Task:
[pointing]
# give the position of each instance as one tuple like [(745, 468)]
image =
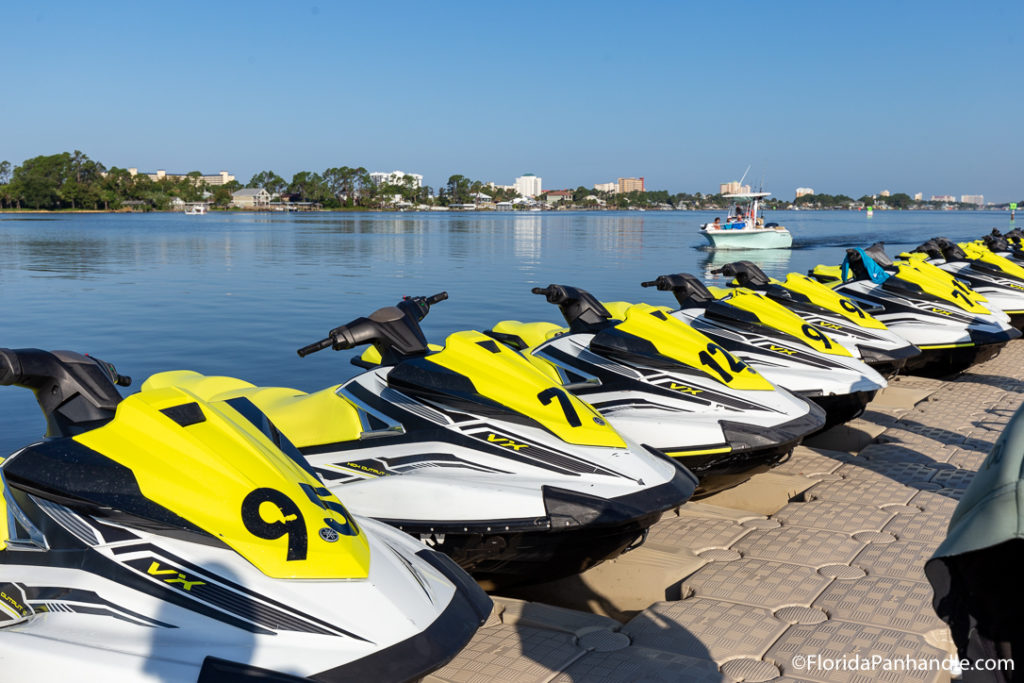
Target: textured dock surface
[(821, 556)]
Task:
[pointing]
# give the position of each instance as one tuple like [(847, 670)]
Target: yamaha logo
[(328, 534), (599, 421)]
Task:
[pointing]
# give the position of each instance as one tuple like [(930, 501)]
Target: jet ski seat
[(297, 414), (522, 336), (827, 275)]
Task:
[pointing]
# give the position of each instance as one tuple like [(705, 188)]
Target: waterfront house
[(250, 198), (554, 196)]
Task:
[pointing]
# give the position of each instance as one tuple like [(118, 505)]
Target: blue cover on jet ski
[(874, 271)]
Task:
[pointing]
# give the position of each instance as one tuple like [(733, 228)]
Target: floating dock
[(804, 573)]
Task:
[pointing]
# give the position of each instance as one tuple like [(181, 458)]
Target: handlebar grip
[(718, 271), (123, 381), (649, 283), (315, 346), (540, 290), (437, 298), (10, 367)]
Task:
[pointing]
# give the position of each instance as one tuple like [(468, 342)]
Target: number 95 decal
[(291, 521)]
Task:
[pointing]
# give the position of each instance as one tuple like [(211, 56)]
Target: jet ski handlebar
[(581, 310), (393, 330), (746, 274), (688, 290), (76, 392)]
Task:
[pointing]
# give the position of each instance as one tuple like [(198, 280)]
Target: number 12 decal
[(735, 364)]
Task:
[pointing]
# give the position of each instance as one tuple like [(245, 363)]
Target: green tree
[(37, 182), (457, 189), (269, 181)]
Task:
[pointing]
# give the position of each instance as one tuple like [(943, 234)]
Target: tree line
[(74, 181)]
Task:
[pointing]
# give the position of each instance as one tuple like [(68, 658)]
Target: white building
[(802, 191), (942, 198), (733, 187), (222, 178), (250, 198), (396, 178), (528, 185), (978, 199), (607, 187), (918, 196)]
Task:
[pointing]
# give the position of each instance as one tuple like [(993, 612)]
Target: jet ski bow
[(469, 449), (166, 537)]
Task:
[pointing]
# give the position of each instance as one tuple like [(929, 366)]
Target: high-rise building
[(978, 199), (733, 187), (528, 185), (918, 196), (942, 198), (396, 178), (801, 191), (607, 187), (631, 185), (884, 193)]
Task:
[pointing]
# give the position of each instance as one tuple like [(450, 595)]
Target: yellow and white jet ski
[(664, 383), (822, 307), (952, 324), (468, 448), (791, 352), (164, 537)]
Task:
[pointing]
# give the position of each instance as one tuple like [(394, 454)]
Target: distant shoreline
[(460, 211)]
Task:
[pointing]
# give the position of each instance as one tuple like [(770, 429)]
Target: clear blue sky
[(841, 97)]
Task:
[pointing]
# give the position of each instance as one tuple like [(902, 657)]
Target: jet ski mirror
[(581, 310), (393, 330), (688, 290), (75, 392)]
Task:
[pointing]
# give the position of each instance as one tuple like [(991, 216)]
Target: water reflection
[(774, 262), (527, 232), (236, 293)]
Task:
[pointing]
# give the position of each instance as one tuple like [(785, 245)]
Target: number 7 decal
[(567, 407)]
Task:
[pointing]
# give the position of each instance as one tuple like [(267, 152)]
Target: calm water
[(236, 294)]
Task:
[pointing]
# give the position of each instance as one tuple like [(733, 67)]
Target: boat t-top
[(744, 228)]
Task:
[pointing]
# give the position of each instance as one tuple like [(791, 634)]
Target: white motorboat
[(196, 210), (744, 228)]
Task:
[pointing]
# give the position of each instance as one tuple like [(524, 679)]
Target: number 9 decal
[(814, 333), (851, 307), (291, 523)]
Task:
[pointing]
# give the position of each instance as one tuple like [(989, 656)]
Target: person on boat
[(760, 222), (717, 224)]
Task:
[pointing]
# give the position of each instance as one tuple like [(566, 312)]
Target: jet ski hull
[(940, 362), (842, 408), (579, 532), (752, 446)]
